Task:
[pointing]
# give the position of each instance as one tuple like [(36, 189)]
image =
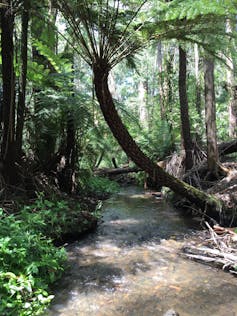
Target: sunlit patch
[(139, 196), (127, 221)]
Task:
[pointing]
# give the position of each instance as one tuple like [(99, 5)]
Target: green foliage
[(28, 264), (58, 63), (100, 186), (140, 178), (158, 142), (55, 218)]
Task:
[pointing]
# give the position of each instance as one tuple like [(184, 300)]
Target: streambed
[(131, 266)]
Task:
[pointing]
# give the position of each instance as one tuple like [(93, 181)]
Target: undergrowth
[(29, 263), (56, 218), (100, 186)]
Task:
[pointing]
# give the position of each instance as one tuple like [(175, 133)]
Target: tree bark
[(232, 87), (22, 83), (165, 70), (227, 148), (8, 153), (210, 113), (161, 81), (184, 110), (198, 86), (143, 110), (200, 198), (198, 91)]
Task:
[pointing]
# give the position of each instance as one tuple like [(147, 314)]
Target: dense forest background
[(50, 117), (89, 84)]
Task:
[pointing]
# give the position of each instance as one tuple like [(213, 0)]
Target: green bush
[(100, 186), (56, 218), (29, 262), (52, 218)]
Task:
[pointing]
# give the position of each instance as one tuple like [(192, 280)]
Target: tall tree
[(142, 96), (184, 110), (232, 86), (197, 77), (103, 49), (22, 80), (8, 153), (210, 114)]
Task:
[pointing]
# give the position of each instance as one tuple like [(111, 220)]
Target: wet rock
[(171, 312)]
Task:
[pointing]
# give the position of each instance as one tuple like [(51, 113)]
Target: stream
[(131, 266)]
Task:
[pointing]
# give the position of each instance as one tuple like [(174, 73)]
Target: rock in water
[(171, 312)]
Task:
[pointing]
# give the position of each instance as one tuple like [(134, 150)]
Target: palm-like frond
[(109, 30), (104, 29), (196, 21)]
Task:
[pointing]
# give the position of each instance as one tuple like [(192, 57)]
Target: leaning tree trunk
[(184, 110), (130, 147)]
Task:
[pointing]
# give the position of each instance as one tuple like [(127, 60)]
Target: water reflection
[(131, 266)]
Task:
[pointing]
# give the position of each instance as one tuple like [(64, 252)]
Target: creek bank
[(215, 247)]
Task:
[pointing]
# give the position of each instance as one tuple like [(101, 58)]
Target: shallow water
[(131, 266)]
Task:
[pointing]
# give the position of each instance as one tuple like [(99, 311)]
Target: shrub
[(100, 186), (56, 218), (29, 262)]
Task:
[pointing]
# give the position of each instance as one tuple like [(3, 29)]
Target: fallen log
[(227, 148), (116, 171), (210, 253)]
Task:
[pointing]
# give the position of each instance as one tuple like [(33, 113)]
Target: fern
[(58, 63)]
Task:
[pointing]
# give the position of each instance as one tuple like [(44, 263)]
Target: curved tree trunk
[(128, 144)]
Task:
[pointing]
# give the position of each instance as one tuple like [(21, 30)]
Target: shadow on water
[(131, 266)]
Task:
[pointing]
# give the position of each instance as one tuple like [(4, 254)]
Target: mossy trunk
[(120, 132)]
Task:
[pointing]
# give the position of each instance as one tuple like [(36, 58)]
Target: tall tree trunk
[(210, 113), (165, 68), (22, 83), (142, 96), (184, 110), (70, 154), (130, 147), (233, 110), (8, 153), (232, 87), (161, 81), (198, 86), (67, 175), (198, 93)]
